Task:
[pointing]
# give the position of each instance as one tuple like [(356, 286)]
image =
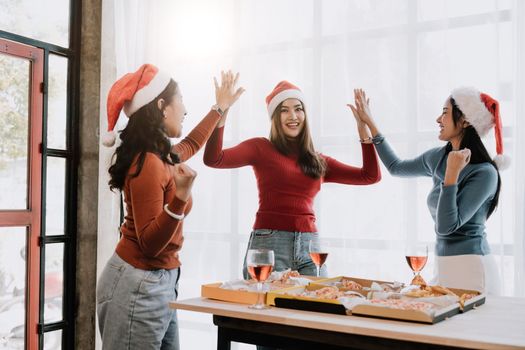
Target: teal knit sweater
[(459, 211)]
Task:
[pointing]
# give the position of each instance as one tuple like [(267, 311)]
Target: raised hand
[(183, 176), (456, 161), (354, 109), (362, 127), (362, 112), (362, 106), (226, 93)]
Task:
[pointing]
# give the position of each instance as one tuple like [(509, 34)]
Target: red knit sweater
[(286, 194), (151, 239)]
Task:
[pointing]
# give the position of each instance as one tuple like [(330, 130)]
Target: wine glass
[(260, 265), (416, 255), (318, 249)]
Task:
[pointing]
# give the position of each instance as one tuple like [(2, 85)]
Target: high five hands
[(361, 110), (363, 116), (226, 93)]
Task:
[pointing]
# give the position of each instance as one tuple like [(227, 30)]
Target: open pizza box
[(214, 291), (294, 298), (371, 302), (344, 283), (244, 292)]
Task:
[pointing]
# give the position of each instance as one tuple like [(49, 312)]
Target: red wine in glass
[(260, 273), (318, 249), (416, 263), (416, 255), (260, 265), (318, 258)]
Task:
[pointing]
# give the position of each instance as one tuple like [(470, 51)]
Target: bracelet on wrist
[(378, 139), (172, 214), (218, 109)]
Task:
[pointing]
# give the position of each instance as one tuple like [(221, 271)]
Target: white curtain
[(124, 30), (408, 55)]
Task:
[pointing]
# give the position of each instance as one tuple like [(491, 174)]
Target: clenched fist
[(183, 176), (456, 161)]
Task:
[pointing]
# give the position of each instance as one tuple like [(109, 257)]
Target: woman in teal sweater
[(466, 185)]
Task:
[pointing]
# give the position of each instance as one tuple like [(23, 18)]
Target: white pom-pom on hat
[(109, 138), (502, 161)]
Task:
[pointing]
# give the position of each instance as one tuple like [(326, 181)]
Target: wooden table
[(498, 324)]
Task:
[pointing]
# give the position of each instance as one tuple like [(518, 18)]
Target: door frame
[(31, 217)]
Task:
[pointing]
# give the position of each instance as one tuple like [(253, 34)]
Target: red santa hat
[(282, 91), (131, 92), (482, 112)]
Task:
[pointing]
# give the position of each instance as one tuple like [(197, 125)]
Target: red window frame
[(31, 217)]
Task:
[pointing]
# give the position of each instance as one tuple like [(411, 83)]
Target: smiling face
[(174, 113), (448, 131), (292, 117)]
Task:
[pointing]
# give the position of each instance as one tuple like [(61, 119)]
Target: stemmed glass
[(260, 265), (416, 255), (318, 249)]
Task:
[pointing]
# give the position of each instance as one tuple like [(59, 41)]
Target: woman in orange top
[(142, 276)]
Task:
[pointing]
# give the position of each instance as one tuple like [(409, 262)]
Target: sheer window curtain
[(408, 55), (123, 35)]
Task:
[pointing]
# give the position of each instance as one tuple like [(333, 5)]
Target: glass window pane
[(209, 37), (436, 9), (12, 287), (380, 68), (14, 116), (439, 72), (201, 339), (423, 185), (215, 184), (247, 200), (282, 21), (202, 271), (57, 102), (55, 195), (341, 16), (53, 340), (339, 217), (53, 283), (42, 20)]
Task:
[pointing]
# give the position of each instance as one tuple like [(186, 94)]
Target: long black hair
[(478, 152), (145, 132), (310, 162)]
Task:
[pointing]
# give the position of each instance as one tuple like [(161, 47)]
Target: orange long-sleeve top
[(286, 194), (151, 239)]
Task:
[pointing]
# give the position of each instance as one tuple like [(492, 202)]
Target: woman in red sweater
[(141, 277), (289, 175)]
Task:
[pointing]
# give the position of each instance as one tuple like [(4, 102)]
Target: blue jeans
[(290, 250), (132, 307)]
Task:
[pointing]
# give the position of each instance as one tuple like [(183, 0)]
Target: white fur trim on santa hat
[(109, 138), (468, 100), (147, 94), (284, 95), (502, 161)]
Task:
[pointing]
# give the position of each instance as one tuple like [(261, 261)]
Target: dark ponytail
[(145, 132), (479, 153)]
